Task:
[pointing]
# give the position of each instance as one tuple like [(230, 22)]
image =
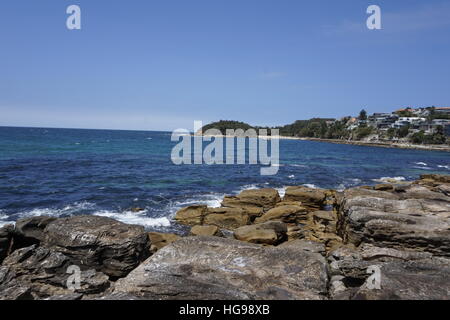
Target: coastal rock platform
[(389, 241)]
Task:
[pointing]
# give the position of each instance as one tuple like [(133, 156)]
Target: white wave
[(291, 176), (445, 167), (310, 185), (247, 187), (211, 200), (4, 219), (4, 223), (389, 179), (55, 212), (298, 165), (281, 191), (421, 163), (138, 218), (421, 168)]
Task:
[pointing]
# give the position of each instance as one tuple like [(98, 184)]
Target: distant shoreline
[(445, 148)]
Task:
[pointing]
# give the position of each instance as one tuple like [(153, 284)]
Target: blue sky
[(161, 65)]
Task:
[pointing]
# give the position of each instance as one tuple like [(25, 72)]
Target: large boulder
[(191, 215), (265, 198), (269, 233), (417, 223), (227, 218), (104, 244), (254, 201), (205, 231), (208, 268), (287, 213), (309, 197)]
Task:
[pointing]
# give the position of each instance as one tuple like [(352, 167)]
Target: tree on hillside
[(363, 115)]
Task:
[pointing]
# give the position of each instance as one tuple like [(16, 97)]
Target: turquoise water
[(64, 172)]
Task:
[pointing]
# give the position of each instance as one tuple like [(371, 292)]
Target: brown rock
[(227, 218), (205, 231), (288, 214), (309, 197), (254, 201), (436, 177), (191, 215), (160, 240), (384, 187), (270, 233), (265, 198)]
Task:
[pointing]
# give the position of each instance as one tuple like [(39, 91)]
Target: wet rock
[(309, 197), (191, 215), (205, 231), (202, 268), (159, 240), (269, 233), (287, 213), (104, 244)]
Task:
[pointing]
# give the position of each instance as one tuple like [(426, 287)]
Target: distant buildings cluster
[(427, 120)]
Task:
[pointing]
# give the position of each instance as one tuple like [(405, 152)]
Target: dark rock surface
[(6, 235), (104, 244)]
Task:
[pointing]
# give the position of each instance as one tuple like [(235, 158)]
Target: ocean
[(63, 172)]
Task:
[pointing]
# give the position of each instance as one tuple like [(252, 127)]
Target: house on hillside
[(443, 110)]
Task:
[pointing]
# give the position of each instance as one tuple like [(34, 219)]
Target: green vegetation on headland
[(419, 126)]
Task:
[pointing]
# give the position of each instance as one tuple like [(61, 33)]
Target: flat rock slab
[(208, 268)]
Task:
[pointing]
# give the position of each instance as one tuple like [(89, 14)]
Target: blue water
[(63, 172)]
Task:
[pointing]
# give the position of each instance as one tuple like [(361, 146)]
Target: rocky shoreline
[(443, 147), (309, 244), (381, 144)]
